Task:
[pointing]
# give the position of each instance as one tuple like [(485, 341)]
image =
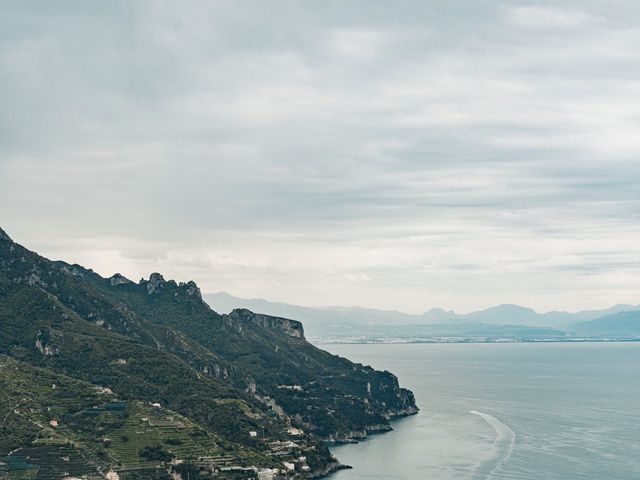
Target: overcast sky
[(388, 154)]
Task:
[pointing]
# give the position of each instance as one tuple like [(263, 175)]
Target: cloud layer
[(390, 154)]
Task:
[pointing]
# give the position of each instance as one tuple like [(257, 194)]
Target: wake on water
[(504, 443)]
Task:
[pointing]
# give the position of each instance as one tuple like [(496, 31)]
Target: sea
[(534, 411)]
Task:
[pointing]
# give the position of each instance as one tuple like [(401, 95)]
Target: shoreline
[(356, 440), (316, 341), (330, 469)]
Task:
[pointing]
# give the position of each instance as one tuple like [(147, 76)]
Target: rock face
[(118, 279), (4, 236), (192, 289), (291, 328), (155, 283)]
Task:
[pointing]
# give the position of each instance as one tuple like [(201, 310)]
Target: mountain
[(242, 390), (619, 325), (318, 320), (340, 322), (49, 414), (517, 315)]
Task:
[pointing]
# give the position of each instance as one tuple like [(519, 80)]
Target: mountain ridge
[(244, 378), (323, 322), (621, 324)]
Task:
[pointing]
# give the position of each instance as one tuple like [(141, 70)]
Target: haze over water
[(506, 411)]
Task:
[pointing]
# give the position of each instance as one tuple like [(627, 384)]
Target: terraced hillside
[(74, 428)]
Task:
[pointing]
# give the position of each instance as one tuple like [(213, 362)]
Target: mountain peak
[(4, 236), (118, 279), (509, 307), (155, 283), (191, 289)]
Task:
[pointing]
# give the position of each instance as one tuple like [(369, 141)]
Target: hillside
[(52, 417), (619, 325), (244, 379)]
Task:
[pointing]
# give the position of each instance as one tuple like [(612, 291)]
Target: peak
[(192, 289), (510, 306), (119, 279), (222, 295), (155, 283), (155, 277), (437, 310), (4, 236), (439, 314)]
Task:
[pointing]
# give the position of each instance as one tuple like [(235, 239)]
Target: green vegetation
[(128, 377)]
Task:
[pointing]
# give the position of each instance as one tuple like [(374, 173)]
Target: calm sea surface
[(506, 411)]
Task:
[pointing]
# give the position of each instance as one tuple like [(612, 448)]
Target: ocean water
[(553, 411)]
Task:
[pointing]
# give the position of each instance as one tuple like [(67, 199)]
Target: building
[(296, 388), (267, 473)]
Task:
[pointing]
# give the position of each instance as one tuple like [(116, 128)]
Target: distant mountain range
[(496, 323), (625, 324)]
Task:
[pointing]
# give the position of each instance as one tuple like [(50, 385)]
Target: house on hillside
[(267, 473)]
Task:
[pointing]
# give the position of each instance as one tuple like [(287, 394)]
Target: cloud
[(395, 157), (548, 17)]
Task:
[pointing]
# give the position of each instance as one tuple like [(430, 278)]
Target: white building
[(297, 388), (267, 473)]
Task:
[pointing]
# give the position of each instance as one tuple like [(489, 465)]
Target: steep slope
[(255, 352), (37, 327), (331, 396), (92, 430), (156, 341)]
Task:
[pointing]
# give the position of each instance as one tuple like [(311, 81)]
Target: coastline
[(330, 469), (358, 437), (434, 341)]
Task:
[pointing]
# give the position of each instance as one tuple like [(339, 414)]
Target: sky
[(389, 154)]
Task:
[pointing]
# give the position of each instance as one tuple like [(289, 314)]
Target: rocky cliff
[(290, 328)]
